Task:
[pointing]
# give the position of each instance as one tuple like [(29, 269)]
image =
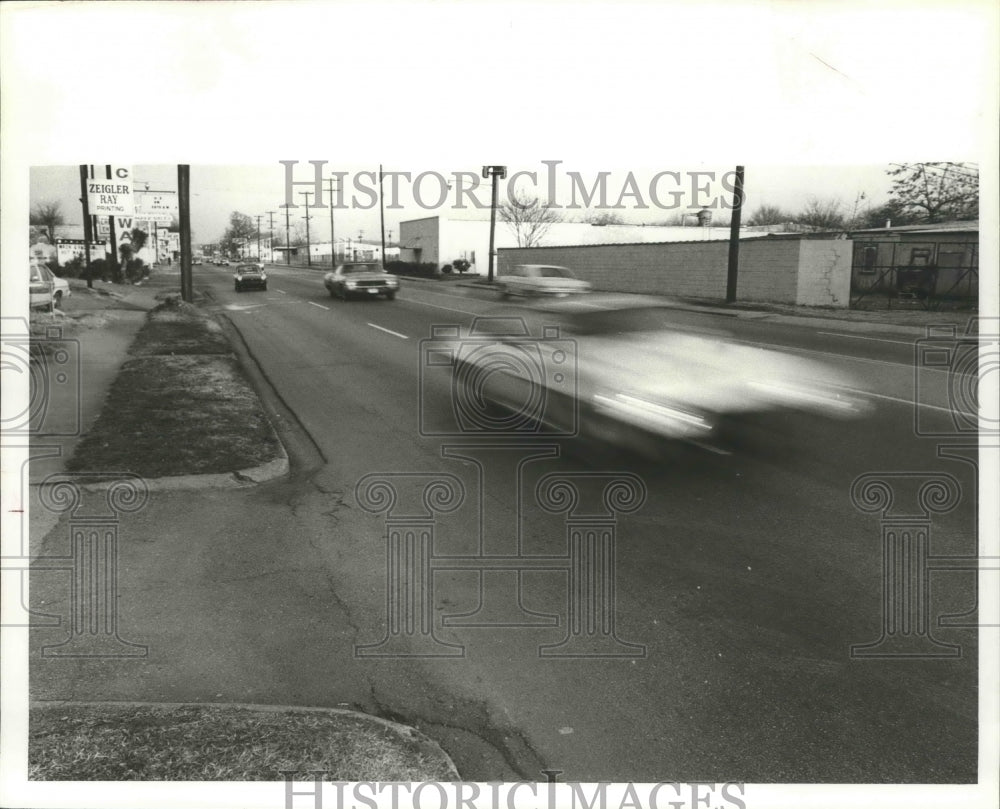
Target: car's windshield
[(355, 268), (554, 272), (248, 268)]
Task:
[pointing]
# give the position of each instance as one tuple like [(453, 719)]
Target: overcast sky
[(632, 193)]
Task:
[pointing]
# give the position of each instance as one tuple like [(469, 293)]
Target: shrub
[(446, 269), (461, 265)]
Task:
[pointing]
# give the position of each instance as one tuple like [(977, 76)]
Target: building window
[(868, 259)]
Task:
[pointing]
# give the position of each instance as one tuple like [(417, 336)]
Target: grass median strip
[(111, 742), (181, 405)]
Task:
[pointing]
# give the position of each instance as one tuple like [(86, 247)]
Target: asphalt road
[(740, 583)]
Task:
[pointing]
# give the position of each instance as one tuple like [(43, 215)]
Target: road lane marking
[(281, 291), (446, 308), (862, 337), (908, 403), (798, 350), (321, 306), (389, 331)]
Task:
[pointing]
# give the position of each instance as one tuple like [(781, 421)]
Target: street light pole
[(258, 235), (494, 172)]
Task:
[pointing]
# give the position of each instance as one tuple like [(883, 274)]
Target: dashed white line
[(321, 306), (389, 331), (281, 291)]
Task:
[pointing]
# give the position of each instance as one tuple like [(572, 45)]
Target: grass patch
[(181, 406), (213, 743)]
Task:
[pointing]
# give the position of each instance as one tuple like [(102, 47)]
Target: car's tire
[(57, 299), (390, 295), (332, 293), (264, 288), (237, 287)]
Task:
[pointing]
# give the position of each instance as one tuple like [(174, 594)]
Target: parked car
[(621, 369), (249, 276), (540, 279), (223, 262), (41, 287), (60, 288), (368, 280)]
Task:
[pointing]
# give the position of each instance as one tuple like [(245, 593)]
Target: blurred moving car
[(622, 369), (540, 279), (366, 279), (249, 276)]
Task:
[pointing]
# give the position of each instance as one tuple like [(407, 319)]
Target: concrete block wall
[(824, 273), (803, 271)]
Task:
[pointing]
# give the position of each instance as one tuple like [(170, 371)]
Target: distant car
[(540, 279), (368, 280), (195, 261), (223, 262), (249, 276), (622, 369), (41, 287)]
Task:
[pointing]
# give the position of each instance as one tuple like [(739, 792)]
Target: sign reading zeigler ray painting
[(110, 196)]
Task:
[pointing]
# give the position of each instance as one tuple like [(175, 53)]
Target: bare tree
[(821, 214), (935, 192), (768, 215), (47, 215), (603, 218), (528, 219)]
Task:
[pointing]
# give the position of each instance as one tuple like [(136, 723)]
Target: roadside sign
[(110, 197), (156, 206)]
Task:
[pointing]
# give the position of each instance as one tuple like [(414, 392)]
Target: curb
[(240, 479), (405, 732)]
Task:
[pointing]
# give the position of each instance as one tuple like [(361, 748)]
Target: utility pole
[(333, 241), (88, 234), (381, 205), (270, 235), (307, 218), (184, 211), (114, 236), (494, 172), (258, 235), (734, 238), (288, 239)]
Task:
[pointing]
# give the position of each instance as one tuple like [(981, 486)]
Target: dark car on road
[(365, 280), (250, 276)]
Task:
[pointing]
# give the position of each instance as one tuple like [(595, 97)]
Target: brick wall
[(812, 272)]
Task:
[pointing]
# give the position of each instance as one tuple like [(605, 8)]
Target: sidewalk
[(98, 327)]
